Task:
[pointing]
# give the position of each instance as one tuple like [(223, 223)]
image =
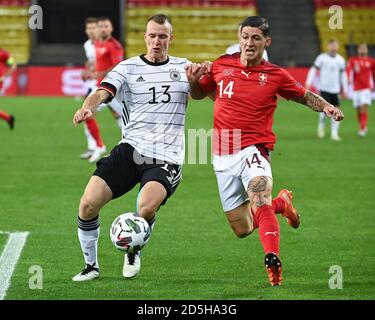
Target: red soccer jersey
[(360, 71), (108, 54), (4, 56), (245, 102)]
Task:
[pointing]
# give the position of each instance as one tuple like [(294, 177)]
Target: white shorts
[(234, 172), (361, 97)]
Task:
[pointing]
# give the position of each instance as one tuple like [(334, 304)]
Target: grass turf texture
[(193, 254)]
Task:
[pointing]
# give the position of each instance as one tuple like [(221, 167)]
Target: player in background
[(236, 47), (154, 90), (91, 127), (99, 32), (7, 67), (246, 88), (332, 81), (361, 69), (109, 52)]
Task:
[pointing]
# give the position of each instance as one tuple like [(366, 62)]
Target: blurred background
[(203, 30)]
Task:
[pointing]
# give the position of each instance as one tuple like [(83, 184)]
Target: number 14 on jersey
[(228, 89)]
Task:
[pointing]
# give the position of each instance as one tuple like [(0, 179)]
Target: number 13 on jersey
[(228, 89)]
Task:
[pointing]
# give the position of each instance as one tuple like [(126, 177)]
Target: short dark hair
[(257, 22), (160, 18), (104, 19), (332, 41), (91, 20)]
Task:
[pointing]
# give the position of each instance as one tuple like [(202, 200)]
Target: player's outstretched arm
[(91, 103), (318, 104)]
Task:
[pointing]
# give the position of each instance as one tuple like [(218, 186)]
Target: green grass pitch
[(192, 254)]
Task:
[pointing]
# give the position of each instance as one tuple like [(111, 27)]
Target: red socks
[(93, 128), (278, 205), (269, 229), (4, 115), (362, 118)]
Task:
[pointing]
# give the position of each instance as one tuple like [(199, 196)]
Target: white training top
[(90, 56), (332, 72), (89, 50), (154, 98)]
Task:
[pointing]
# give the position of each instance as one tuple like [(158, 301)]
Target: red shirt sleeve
[(117, 53), (290, 87), (207, 83)]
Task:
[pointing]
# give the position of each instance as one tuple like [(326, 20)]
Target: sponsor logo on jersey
[(140, 79)]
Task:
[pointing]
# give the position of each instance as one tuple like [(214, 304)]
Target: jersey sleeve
[(318, 62), (207, 83), (290, 87), (114, 80)]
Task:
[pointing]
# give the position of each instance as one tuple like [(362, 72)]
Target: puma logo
[(269, 232), (246, 73)]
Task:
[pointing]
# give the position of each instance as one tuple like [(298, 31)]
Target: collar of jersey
[(142, 56)]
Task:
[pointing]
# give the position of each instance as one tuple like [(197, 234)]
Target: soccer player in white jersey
[(88, 76), (332, 81), (96, 147), (153, 89)]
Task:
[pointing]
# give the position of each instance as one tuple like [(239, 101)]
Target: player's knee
[(147, 210), (87, 208), (242, 232)]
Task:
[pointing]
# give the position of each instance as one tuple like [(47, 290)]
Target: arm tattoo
[(313, 101)]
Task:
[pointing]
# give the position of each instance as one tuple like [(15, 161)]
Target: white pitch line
[(9, 258)]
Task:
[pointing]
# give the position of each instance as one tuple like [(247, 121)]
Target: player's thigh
[(119, 170), (95, 196), (365, 98), (257, 178), (231, 191), (158, 182), (150, 198)]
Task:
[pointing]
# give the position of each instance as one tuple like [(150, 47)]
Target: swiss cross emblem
[(262, 79)]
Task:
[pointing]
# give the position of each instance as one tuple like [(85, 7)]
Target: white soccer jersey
[(90, 56), (89, 50), (154, 98), (331, 72)]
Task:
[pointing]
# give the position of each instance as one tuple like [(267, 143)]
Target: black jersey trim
[(142, 56)]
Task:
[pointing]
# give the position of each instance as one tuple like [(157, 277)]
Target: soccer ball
[(130, 232)]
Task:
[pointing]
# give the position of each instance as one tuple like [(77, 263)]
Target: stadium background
[(42, 178)]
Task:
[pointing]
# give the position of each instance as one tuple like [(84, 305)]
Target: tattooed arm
[(318, 104)]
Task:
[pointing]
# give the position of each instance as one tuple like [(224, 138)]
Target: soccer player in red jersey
[(246, 97), (7, 67), (361, 71)]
